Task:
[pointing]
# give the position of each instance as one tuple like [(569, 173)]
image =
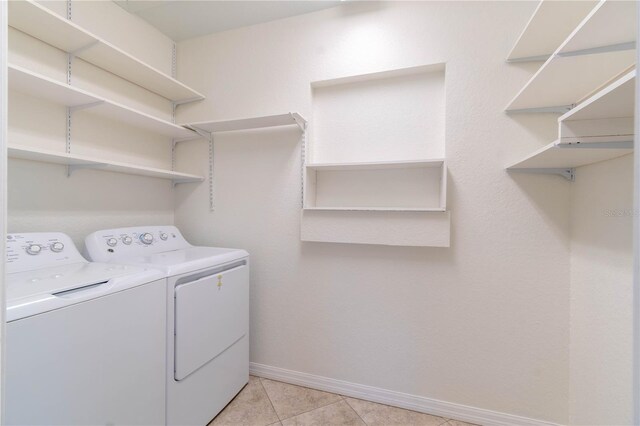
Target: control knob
[(34, 249), (146, 238), (57, 247), (127, 240), (163, 236), (111, 242)]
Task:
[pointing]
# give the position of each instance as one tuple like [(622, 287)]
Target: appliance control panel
[(114, 244), (35, 250)]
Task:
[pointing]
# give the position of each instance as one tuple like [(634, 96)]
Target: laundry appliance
[(85, 342), (207, 314)]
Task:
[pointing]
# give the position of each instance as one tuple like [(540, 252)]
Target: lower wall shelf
[(76, 162)]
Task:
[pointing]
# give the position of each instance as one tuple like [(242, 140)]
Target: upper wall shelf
[(603, 44), (39, 86), (291, 118), (617, 100), (549, 26), (79, 162), (43, 24)]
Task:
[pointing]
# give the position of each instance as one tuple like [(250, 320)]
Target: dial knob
[(34, 249), (57, 247), (163, 236), (146, 238), (127, 240), (111, 242)]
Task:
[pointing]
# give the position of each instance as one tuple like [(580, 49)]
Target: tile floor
[(267, 402)]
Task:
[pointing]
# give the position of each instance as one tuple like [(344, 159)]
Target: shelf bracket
[(73, 167), (631, 45), (84, 106), (560, 109), (301, 122), (539, 58), (174, 143), (596, 145), (569, 173)]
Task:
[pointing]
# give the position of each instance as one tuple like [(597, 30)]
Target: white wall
[(41, 197), (484, 323), (601, 294)]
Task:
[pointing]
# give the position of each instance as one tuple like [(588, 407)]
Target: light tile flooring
[(267, 402)]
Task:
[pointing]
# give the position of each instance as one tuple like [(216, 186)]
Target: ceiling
[(184, 19)]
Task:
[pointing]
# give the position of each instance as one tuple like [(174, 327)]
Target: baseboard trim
[(446, 409)]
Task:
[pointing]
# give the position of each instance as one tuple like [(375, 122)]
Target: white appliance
[(84, 341), (207, 314)]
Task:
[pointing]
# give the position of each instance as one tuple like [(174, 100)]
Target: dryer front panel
[(211, 314)]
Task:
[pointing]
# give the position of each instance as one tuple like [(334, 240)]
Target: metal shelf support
[(568, 173)]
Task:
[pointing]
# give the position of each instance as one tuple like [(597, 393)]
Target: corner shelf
[(548, 27), (39, 22), (598, 129), (423, 181), (603, 43), (39, 86), (289, 119), (76, 162)]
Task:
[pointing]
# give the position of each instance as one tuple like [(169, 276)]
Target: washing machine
[(207, 314), (84, 341)]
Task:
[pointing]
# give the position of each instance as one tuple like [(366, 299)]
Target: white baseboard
[(449, 410)]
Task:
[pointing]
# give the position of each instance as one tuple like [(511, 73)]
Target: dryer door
[(211, 314)]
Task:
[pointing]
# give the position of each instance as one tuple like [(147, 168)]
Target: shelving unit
[(603, 43), (39, 22), (206, 129), (549, 26), (39, 86), (598, 129), (289, 119), (76, 162), (411, 186)]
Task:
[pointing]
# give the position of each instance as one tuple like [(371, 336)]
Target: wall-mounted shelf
[(36, 85), (562, 158), (616, 100), (390, 186), (603, 44), (549, 26), (76, 162), (39, 22), (289, 119)]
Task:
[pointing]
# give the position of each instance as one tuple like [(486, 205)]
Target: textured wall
[(484, 323), (41, 197), (601, 293)]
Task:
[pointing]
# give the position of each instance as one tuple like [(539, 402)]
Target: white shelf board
[(617, 100), (292, 118), (555, 155), (376, 209), (377, 165), (574, 71), (548, 27), (46, 156), (39, 22), (39, 86)]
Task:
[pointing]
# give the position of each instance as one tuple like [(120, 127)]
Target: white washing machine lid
[(177, 262), (34, 292)]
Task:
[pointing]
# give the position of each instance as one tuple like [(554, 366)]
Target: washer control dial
[(127, 240), (163, 236), (112, 242), (146, 238), (57, 247), (34, 249)]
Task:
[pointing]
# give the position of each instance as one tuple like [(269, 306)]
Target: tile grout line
[(354, 410), (270, 402), (313, 409)]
